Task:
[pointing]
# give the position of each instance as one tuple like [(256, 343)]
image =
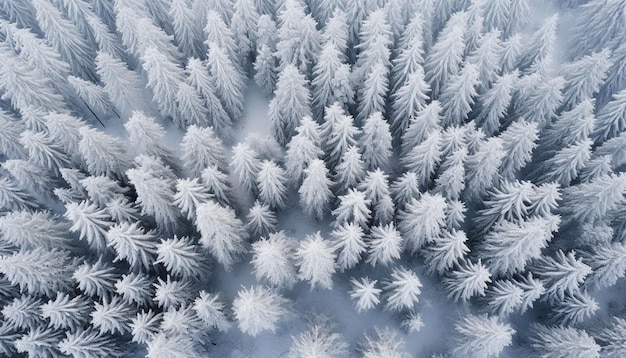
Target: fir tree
[(258, 308), (96, 279), (222, 232), (119, 82), (349, 244), (273, 260), (245, 165), (402, 288), (611, 119), (261, 219), (494, 103), (271, 182), (133, 244), (315, 193), (376, 139), (446, 251), (302, 149), (468, 280), (338, 133), (298, 39), (316, 261), (189, 194), (386, 343), (88, 343), (228, 81), (185, 32), (562, 341), (518, 141), (244, 26), (103, 154), (422, 220), (445, 57), (136, 288), (373, 95), (330, 75), (180, 257), (561, 275), (482, 336), (289, 105), (90, 222), (210, 309), (385, 245), (66, 312), (201, 148), (408, 100), (458, 95), (199, 78)]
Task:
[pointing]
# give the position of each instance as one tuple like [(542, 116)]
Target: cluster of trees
[(431, 136)]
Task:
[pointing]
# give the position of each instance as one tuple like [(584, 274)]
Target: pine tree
[(186, 34), (566, 163), (540, 44), (39, 271), (510, 246), (96, 279), (612, 334), (372, 96), (173, 294), (561, 275), (404, 188), (298, 39), (273, 260), (458, 95), (316, 261), (23, 312), (575, 308), (164, 75), (330, 78), (424, 157), (611, 119), (90, 222), (30, 230), (261, 219), (350, 170), (446, 251), (202, 148), (229, 82), (133, 244), (271, 182), (563, 341), (258, 309), (199, 78), (403, 288), (409, 51), (315, 193), (120, 83), (40, 341), (43, 152), (349, 244), (101, 190), (136, 288), (482, 336), (103, 154), (503, 298), (154, 185), (584, 77), (570, 127), (244, 26), (65, 38), (89, 343), (338, 133), (468, 280), (518, 141), (180, 257), (445, 57), (408, 100), (148, 138), (210, 309), (245, 165), (289, 105), (376, 142), (364, 293), (265, 65), (482, 167), (385, 245), (336, 30), (607, 261), (302, 149), (421, 126), (387, 343), (422, 220), (66, 312), (189, 194), (494, 103), (588, 202), (10, 130), (375, 185), (221, 232), (112, 316)]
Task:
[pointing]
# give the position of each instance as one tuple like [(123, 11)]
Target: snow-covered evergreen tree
[(258, 309), (385, 245), (482, 336), (319, 341), (223, 234), (273, 260), (289, 105), (315, 193), (386, 343), (422, 220), (365, 293), (316, 261), (272, 184), (402, 289), (468, 280), (563, 341)]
